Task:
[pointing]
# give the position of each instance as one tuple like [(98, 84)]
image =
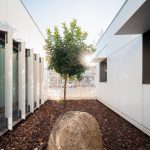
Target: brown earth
[(33, 133)]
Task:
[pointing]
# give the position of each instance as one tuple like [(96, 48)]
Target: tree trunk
[(65, 84)]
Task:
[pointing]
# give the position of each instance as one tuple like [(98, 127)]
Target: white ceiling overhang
[(139, 22), (98, 59)]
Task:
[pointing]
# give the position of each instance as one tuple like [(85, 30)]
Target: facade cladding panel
[(128, 75), (19, 41)]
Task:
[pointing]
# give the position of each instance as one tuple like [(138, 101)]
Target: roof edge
[(112, 21), (32, 18)]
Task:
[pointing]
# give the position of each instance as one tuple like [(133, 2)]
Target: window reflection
[(2, 81)]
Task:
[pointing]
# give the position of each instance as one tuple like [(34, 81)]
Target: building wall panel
[(15, 17), (124, 92)]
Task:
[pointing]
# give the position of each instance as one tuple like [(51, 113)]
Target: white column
[(22, 105), (36, 79), (42, 80), (31, 81), (8, 79)]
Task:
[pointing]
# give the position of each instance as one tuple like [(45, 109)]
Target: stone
[(75, 131)]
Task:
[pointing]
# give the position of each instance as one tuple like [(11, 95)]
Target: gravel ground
[(33, 133)]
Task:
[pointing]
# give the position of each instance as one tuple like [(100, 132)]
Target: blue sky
[(92, 15)]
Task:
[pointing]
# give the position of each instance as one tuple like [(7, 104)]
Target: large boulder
[(75, 131)]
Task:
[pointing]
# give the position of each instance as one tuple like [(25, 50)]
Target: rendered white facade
[(18, 26), (15, 17), (124, 91)]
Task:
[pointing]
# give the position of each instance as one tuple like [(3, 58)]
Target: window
[(40, 59), (2, 80), (27, 54), (35, 79), (35, 57), (15, 80), (103, 71), (146, 58)]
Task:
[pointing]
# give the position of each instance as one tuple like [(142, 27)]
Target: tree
[(64, 53)]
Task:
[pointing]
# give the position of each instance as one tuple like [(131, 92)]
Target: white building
[(123, 68), (22, 74)]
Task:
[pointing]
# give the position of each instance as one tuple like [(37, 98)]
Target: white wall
[(13, 15), (126, 12), (123, 88), (9, 80), (72, 93), (123, 92), (15, 20)]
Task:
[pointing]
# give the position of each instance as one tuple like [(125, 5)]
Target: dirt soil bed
[(33, 133)]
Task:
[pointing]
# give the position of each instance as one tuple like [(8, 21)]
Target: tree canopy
[(65, 51)]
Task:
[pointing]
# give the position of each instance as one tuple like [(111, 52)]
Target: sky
[(93, 16)]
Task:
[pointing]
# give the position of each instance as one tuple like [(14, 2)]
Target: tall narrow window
[(146, 58), (103, 71), (15, 80), (35, 91), (27, 54), (35, 56), (2, 80), (40, 61)]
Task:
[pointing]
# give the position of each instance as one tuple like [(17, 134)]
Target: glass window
[(2, 81), (146, 58), (35, 59), (103, 71), (35, 56), (15, 80), (26, 79)]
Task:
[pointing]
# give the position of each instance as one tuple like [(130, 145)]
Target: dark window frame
[(16, 46), (35, 56), (40, 60), (2, 38), (146, 58), (27, 53), (103, 71), (2, 45)]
